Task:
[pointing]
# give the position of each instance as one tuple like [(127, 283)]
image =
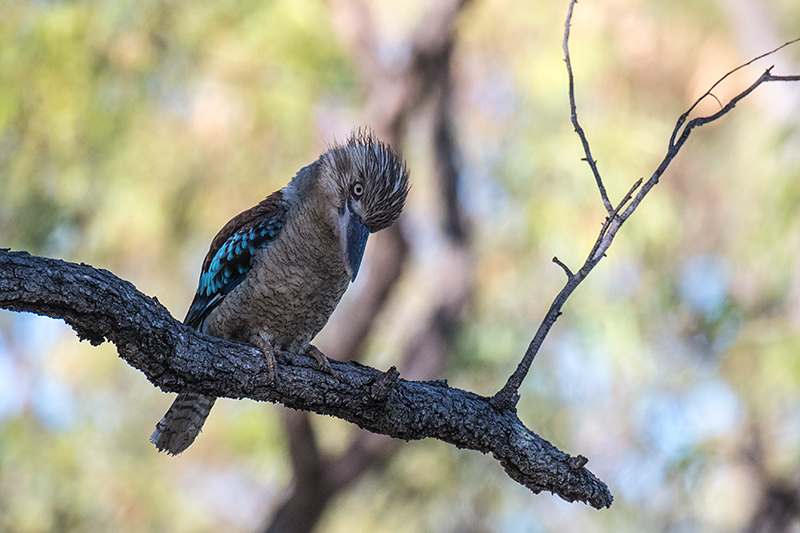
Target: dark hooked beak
[(353, 236)]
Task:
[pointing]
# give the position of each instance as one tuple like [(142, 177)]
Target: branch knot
[(382, 386)]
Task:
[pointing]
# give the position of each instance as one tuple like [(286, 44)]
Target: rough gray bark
[(101, 306)]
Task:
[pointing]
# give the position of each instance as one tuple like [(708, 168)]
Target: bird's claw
[(260, 341), (322, 361)]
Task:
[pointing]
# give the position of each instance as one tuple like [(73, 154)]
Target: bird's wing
[(230, 256)]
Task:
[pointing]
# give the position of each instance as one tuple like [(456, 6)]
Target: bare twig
[(684, 116), (508, 396), (564, 267), (574, 114), (600, 243)]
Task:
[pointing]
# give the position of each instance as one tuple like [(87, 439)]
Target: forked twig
[(507, 397), (684, 116)]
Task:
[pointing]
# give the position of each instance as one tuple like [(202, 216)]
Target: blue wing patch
[(231, 262)]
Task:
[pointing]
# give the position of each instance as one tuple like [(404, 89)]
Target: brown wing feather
[(243, 220)]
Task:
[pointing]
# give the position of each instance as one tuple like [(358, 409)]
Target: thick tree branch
[(508, 396), (100, 306)]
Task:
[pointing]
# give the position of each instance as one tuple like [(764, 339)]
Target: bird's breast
[(291, 290)]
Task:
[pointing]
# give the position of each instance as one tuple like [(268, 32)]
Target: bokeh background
[(130, 132)]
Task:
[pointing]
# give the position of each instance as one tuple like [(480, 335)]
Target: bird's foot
[(322, 361), (260, 341)]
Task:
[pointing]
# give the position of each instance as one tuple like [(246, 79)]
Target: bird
[(274, 273)]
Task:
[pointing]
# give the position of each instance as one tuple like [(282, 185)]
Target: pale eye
[(358, 189)]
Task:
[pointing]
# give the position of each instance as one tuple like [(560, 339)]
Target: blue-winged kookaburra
[(274, 274)]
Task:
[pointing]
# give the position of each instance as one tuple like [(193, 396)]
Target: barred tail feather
[(182, 423)]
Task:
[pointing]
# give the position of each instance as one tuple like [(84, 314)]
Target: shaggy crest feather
[(383, 174)]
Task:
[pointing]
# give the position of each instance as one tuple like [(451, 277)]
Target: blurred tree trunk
[(394, 96), (778, 507)]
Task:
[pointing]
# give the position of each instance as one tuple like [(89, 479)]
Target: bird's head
[(368, 183)]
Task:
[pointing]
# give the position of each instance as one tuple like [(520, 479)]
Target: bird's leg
[(321, 360), (260, 341)]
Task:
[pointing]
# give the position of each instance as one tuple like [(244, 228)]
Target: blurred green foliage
[(130, 132)]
